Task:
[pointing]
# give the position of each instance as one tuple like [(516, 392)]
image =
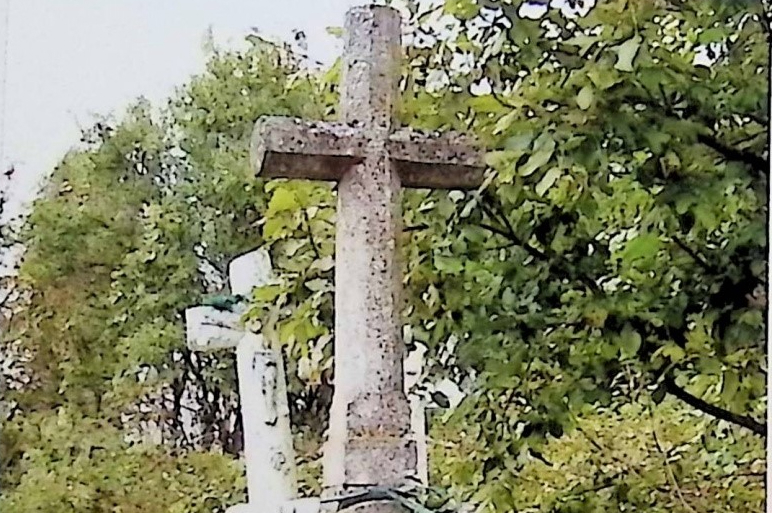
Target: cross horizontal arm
[(312, 150), (211, 329), (446, 161)]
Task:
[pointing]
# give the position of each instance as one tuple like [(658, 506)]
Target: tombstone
[(270, 457), (212, 329), (371, 159)]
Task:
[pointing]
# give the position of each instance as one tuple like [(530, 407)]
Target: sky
[(69, 60)]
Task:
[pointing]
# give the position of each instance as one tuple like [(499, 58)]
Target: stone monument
[(371, 159)]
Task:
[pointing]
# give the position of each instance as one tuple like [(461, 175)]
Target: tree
[(7, 237), (630, 193), (110, 263), (618, 250)]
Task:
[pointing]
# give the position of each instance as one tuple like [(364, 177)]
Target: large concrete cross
[(371, 159)]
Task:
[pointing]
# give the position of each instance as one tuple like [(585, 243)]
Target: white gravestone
[(270, 457)]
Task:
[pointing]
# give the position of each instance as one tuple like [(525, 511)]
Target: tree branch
[(310, 235), (544, 257), (757, 162), (719, 413), (415, 228), (695, 256), (516, 240)]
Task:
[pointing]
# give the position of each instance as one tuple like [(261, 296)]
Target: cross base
[(375, 427)]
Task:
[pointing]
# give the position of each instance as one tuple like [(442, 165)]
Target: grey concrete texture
[(372, 160)]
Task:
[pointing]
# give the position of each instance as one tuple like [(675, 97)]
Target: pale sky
[(68, 60)]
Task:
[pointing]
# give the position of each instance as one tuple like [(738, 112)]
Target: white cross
[(267, 437), (270, 457)]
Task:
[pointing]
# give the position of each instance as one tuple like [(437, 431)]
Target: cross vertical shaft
[(369, 398)]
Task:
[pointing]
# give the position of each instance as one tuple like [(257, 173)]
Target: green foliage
[(114, 253), (81, 464), (638, 458)]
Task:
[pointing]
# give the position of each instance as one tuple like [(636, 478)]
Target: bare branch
[(719, 413), (757, 162)]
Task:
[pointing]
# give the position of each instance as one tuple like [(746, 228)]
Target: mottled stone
[(446, 161), (369, 440), (292, 148)]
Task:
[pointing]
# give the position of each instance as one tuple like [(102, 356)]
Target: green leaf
[(711, 35), (585, 97), (504, 122), (752, 317), (323, 264), (283, 199), (318, 285), (496, 159), (629, 342), (447, 264), (267, 293), (547, 180), (275, 228), (626, 53), (463, 9), (485, 104), (645, 245), (603, 78), (672, 351), (519, 142), (730, 386), (544, 147), (657, 140), (583, 41)]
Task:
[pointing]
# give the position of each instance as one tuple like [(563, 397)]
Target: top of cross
[(370, 86), (292, 148)]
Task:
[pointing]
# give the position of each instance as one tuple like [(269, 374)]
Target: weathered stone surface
[(292, 148), (368, 342), (371, 68), (369, 440), (446, 161)]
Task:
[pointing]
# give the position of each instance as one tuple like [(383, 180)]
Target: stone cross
[(371, 159), (270, 457)]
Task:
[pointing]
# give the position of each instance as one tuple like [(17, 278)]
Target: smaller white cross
[(269, 454), (270, 457)]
